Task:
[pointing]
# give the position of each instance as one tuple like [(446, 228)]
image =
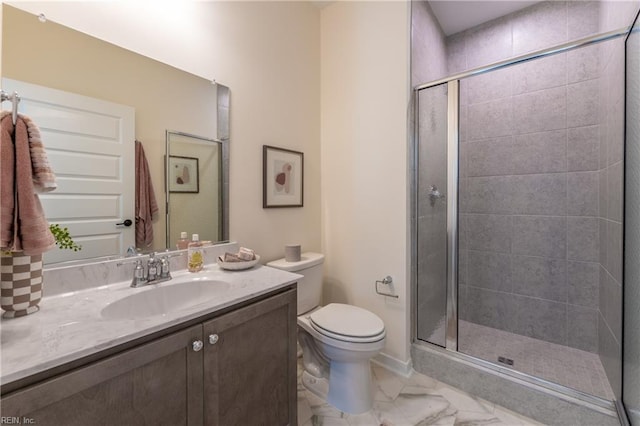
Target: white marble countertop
[(70, 326)]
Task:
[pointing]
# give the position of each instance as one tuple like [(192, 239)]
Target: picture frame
[(184, 174), (282, 177)]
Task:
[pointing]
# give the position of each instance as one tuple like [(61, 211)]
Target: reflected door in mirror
[(90, 146)]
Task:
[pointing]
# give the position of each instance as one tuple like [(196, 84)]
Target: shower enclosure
[(519, 216)]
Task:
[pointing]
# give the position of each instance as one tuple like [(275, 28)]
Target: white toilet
[(337, 340)]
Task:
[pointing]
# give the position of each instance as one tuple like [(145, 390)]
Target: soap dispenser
[(195, 254)]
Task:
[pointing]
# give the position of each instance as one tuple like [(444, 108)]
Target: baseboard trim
[(403, 368)]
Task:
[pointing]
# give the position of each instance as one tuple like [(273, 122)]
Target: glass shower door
[(436, 208), (631, 348)]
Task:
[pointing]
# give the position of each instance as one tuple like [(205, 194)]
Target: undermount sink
[(164, 299)]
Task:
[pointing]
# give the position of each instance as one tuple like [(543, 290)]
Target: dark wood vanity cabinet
[(236, 369), (250, 372)]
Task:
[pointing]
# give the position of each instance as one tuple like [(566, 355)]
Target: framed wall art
[(282, 177), (183, 174)]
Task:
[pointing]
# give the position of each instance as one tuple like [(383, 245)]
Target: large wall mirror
[(52, 56)]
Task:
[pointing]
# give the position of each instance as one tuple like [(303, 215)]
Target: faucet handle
[(138, 275), (164, 267), (152, 267)]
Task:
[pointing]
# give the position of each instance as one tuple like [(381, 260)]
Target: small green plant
[(63, 238)]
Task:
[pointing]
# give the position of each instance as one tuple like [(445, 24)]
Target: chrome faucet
[(156, 270), (164, 271), (152, 267), (139, 278)]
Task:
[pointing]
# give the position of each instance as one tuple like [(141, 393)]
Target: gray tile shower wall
[(428, 50), (531, 186), (583, 280), (583, 148), (541, 26)]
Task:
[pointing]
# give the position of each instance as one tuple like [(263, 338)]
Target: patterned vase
[(20, 284)]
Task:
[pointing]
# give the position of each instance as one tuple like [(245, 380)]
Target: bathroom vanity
[(229, 361)]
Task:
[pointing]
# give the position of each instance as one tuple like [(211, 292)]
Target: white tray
[(239, 266)]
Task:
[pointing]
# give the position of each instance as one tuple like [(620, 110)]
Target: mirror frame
[(223, 130)]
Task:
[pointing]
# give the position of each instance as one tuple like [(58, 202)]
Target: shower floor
[(560, 364)]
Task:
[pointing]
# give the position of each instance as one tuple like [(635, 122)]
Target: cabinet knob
[(197, 345), (213, 339)]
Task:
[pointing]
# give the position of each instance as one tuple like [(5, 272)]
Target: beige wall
[(268, 53), (365, 92)]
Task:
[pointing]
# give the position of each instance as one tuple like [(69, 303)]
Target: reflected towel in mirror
[(146, 205)]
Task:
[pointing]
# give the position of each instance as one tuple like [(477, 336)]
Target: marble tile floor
[(561, 364), (414, 401)]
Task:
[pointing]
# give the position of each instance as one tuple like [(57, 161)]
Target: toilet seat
[(347, 323)]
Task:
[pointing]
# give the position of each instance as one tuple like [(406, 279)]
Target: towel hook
[(15, 100)]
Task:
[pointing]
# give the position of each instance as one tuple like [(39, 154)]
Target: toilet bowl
[(337, 340), (337, 364)]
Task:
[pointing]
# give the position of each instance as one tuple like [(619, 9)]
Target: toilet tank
[(309, 287)]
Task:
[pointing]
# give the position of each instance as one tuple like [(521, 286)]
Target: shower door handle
[(435, 195)]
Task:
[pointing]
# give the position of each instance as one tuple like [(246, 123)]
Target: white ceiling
[(455, 16)]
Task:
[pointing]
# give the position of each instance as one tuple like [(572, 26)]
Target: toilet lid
[(347, 321)]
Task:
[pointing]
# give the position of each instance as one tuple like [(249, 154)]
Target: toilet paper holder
[(386, 281)]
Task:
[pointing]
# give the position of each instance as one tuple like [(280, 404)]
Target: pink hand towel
[(7, 179), (30, 232), (43, 177)]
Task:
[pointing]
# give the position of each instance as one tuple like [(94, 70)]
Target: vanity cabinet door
[(158, 383), (250, 365)]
